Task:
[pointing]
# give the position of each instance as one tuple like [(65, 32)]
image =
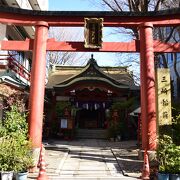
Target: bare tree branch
[(130, 5), (165, 64), (145, 6), (62, 34), (175, 66), (170, 34), (119, 7), (109, 5), (157, 7)]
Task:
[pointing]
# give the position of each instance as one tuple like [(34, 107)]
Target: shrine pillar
[(37, 88), (148, 96)]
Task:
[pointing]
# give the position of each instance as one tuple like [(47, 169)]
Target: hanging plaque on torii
[(93, 32)]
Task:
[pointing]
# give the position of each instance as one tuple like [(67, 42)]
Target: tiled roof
[(62, 75)]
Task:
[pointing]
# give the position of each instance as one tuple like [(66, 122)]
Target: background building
[(15, 66)]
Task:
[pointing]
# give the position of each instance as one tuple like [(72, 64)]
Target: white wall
[(3, 29), (39, 4), (24, 4), (43, 4), (28, 4)]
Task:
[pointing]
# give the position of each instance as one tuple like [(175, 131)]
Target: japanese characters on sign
[(163, 97), (93, 32)]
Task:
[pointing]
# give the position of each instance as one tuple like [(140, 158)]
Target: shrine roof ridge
[(6, 9)]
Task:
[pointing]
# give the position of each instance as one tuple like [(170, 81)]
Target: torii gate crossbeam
[(24, 17), (70, 46)]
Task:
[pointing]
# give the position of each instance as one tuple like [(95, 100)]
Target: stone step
[(91, 133)]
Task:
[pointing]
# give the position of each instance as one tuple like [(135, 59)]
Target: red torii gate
[(146, 46)]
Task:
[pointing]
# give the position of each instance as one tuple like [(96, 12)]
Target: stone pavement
[(91, 159)]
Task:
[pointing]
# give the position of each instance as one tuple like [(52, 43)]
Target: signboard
[(93, 32), (163, 96), (63, 123)]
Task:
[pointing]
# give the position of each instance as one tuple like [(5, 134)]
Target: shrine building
[(81, 99)]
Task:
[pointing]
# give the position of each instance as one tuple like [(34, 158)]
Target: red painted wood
[(14, 45), (52, 45), (148, 96), (78, 21), (79, 47), (85, 84), (19, 69), (166, 47), (143, 87), (36, 98)]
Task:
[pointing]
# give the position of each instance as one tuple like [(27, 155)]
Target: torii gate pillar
[(148, 96), (37, 88)]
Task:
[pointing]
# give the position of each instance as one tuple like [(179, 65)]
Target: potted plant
[(24, 161), (168, 151), (163, 145), (14, 157), (174, 162), (6, 159), (169, 159), (15, 149)]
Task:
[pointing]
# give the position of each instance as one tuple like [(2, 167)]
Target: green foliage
[(116, 129), (173, 159), (175, 110), (60, 106), (55, 128), (74, 110), (165, 130), (124, 104), (176, 129), (14, 124), (15, 149), (168, 155), (112, 131), (120, 127), (14, 156)]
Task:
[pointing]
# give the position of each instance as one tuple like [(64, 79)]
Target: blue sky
[(72, 5), (103, 59)]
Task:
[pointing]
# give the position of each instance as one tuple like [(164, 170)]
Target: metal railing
[(15, 66)]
